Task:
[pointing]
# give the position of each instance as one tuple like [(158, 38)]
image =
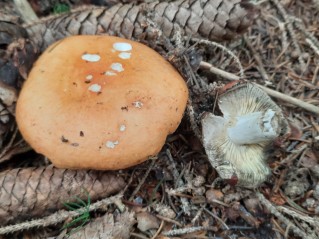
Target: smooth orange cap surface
[(100, 102)]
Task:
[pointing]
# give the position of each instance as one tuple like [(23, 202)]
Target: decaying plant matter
[(212, 19), (36, 192)]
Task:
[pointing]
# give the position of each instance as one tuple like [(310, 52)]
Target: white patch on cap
[(110, 73), (125, 55), (111, 144), (89, 77), (91, 57), (117, 67), (95, 88), (137, 104), (122, 46), (122, 128)]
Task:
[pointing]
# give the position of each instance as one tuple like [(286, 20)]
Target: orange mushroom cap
[(100, 102)]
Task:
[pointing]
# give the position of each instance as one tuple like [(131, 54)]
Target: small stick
[(178, 182), (143, 179), (229, 76), (217, 218), (198, 214), (292, 100), (207, 66), (312, 221), (169, 220), (159, 230), (261, 68), (215, 44), (273, 210), (291, 32), (183, 231), (138, 235)]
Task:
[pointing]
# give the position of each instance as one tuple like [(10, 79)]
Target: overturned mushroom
[(235, 143), (100, 102)]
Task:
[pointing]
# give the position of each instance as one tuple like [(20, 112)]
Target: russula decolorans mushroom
[(236, 142), (100, 102)]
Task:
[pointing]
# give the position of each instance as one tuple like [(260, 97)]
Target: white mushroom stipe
[(254, 128), (95, 88), (137, 104), (110, 73), (111, 144), (125, 55), (89, 77), (122, 46), (117, 67), (91, 57), (122, 128)]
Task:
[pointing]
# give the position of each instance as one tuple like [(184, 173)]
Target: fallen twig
[(217, 218), (169, 220), (178, 182), (312, 221), (215, 44), (289, 99), (183, 231), (158, 230), (291, 31), (229, 76), (142, 181), (290, 225), (257, 58)]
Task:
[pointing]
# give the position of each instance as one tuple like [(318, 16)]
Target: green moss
[(61, 8)]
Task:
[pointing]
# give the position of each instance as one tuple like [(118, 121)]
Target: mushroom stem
[(257, 127)]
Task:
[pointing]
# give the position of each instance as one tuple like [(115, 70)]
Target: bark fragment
[(37, 192), (212, 19)]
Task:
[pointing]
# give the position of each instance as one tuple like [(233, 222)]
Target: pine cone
[(37, 192), (213, 19)]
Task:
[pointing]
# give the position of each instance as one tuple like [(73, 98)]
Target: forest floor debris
[(279, 52)]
